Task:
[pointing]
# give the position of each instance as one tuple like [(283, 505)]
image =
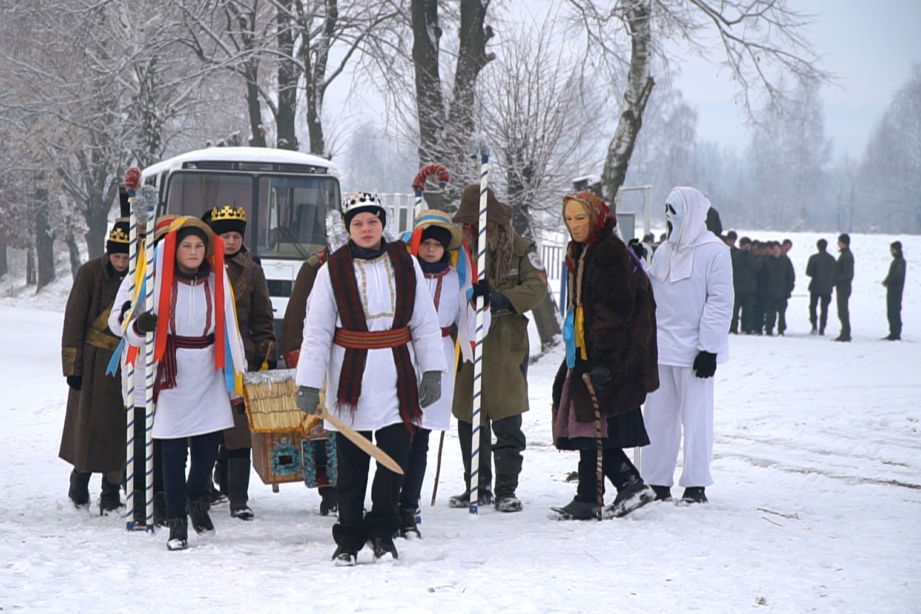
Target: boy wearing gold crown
[(370, 328), (257, 328), (435, 241), (93, 440)]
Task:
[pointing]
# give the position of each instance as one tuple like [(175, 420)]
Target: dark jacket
[(820, 267), (789, 275), (620, 331), (257, 327), (843, 273), (745, 269), (292, 330), (895, 280), (778, 280), (94, 425)]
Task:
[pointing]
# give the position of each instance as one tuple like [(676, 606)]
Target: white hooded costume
[(691, 275)]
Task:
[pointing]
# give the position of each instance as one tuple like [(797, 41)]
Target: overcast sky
[(870, 45)]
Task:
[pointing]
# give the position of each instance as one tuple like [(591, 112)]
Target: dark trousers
[(355, 527), (843, 295), (821, 301), (178, 489), (510, 443), (747, 303), (415, 471), (615, 465), (757, 321), (894, 312), (774, 309), (736, 310)]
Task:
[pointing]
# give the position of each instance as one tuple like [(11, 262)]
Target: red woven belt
[(167, 371), (446, 331), (377, 340)]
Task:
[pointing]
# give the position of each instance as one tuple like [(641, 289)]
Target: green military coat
[(93, 440), (506, 348)]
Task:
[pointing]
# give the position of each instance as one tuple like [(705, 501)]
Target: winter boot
[(215, 496), (221, 467), (693, 494), (663, 493), (381, 546), (484, 497), (178, 533), (139, 503), (110, 498), (198, 514), (79, 491), (577, 510), (237, 487), (408, 526), (345, 557), (329, 500), (633, 495), (508, 503), (160, 509)]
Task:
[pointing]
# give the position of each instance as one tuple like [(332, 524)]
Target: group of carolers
[(388, 328)]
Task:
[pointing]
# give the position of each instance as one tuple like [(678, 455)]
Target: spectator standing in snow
[(737, 256), (610, 334), (895, 284), (745, 284), (820, 267), (93, 440), (692, 280), (841, 278), (370, 327)]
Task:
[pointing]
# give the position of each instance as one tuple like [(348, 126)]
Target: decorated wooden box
[(278, 457)]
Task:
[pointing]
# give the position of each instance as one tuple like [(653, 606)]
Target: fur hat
[(433, 219), (119, 237), (469, 210), (226, 219), (363, 202)]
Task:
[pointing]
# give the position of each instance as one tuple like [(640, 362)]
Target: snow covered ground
[(816, 505)]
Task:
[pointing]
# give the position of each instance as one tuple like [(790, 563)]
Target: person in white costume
[(194, 334), (434, 240), (691, 276), (370, 327)]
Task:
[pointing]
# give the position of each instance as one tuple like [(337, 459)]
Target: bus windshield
[(286, 214)]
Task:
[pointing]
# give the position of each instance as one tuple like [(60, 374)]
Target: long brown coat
[(93, 440), (257, 327), (620, 331), (506, 347), (292, 330)]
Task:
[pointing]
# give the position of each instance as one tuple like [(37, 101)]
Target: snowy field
[(816, 506)]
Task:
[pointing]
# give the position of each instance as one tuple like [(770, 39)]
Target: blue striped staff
[(481, 150), (150, 198), (132, 182)]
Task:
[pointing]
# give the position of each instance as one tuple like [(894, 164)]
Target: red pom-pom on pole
[(133, 178), (439, 171)]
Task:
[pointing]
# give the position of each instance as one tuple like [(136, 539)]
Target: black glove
[(429, 388), (273, 364), (500, 302), (308, 400), (238, 405), (125, 308), (481, 288), (638, 248), (75, 382), (145, 323), (705, 364), (601, 375)]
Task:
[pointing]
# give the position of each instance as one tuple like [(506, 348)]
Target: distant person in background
[(820, 267), (762, 253), (895, 284), (714, 224), (786, 246), (737, 255), (777, 286), (745, 283), (789, 276), (841, 279)]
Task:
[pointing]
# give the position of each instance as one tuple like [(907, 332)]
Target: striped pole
[(129, 376), (478, 348), (151, 198)]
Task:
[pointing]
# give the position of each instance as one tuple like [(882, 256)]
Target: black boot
[(663, 493), (693, 494), (577, 510), (381, 546), (110, 499), (345, 557), (79, 491), (221, 469), (237, 488), (408, 526), (508, 503), (178, 533), (484, 497), (198, 514), (329, 500), (160, 509), (634, 495)]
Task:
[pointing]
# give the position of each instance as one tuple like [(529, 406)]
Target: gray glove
[(429, 388), (308, 400)]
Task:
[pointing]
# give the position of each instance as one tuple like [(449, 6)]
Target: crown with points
[(228, 213), (119, 236)]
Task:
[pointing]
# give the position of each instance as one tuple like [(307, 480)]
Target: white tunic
[(200, 402), (321, 359), (450, 304), (123, 294), (693, 314)]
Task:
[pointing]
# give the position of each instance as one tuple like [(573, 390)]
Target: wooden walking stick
[(441, 445), (600, 464)]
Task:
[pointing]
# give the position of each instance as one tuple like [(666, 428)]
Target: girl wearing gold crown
[(199, 361)]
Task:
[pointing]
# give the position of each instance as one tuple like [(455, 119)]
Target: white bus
[(286, 196)]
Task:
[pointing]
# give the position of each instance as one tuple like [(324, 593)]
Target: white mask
[(674, 217)]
